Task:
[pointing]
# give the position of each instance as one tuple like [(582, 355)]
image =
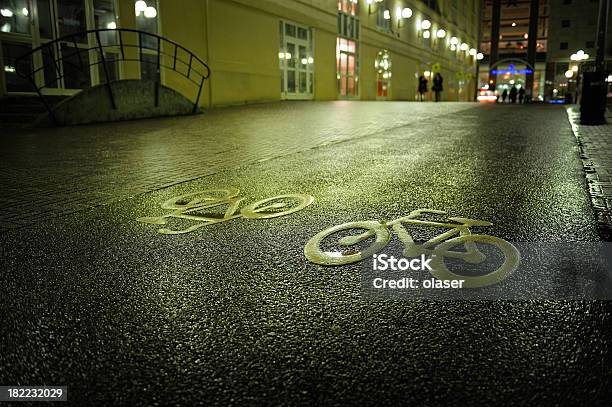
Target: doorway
[(347, 68), (296, 61), (67, 66)]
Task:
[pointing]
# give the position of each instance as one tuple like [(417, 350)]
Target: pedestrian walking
[(422, 87), (437, 86), (513, 94), (504, 95), (521, 95)]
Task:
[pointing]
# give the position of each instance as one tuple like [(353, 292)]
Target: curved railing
[(78, 52)]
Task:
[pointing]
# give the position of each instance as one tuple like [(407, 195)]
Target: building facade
[(263, 50), (565, 45), (512, 47), (573, 32)]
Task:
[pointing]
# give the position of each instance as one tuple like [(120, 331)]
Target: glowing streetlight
[(480, 56), (473, 52), (425, 24), (150, 12), (569, 74), (406, 12), (140, 6), (441, 33), (387, 15), (454, 40), (579, 56), (464, 47), (426, 34), (6, 12)]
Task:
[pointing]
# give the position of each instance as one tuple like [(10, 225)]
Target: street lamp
[(401, 14), (579, 56), (406, 12), (140, 6)]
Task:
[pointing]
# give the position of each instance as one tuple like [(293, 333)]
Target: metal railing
[(76, 53)]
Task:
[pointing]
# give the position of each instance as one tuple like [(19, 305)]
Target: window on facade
[(590, 44), (565, 23), (104, 17), (10, 52), (147, 20), (15, 16), (296, 59), (348, 18), (348, 7), (433, 4), (564, 45), (382, 23)]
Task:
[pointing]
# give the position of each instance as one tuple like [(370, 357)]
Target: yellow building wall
[(127, 19), (403, 81), (325, 65), (189, 30), (367, 76), (243, 47)]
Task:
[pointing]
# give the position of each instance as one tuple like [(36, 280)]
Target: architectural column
[(602, 26), (495, 23), (532, 47)]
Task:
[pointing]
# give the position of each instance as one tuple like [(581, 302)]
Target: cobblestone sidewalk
[(596, 152)]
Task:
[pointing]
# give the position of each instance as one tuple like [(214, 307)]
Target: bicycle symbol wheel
[(314, 252), (511, 261), (277, 206)]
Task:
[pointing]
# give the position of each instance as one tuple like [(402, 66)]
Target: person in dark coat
[(521, 95), (513, 94), (437, 86), (504, 95), (422, 87)]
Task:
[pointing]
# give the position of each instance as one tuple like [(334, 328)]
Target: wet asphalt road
[(234, 314)]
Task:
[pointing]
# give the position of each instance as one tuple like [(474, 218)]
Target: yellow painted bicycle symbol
[(439, 247), (196, 206)]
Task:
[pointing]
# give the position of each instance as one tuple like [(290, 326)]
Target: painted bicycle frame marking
[(187, 207), (438, 247)]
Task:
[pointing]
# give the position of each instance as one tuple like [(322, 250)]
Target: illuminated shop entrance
[(346, 63), (296, 61), (382, 64), (27, 24)]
